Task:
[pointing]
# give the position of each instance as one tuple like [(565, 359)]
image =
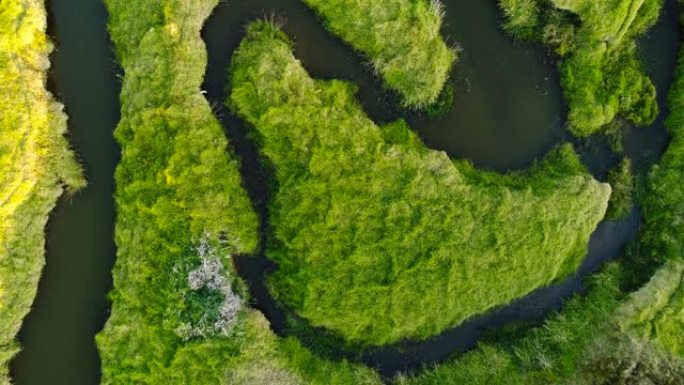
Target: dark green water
[(508, 111), (508, 106), (58, 335)]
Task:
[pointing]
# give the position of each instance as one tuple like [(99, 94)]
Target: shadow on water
[(483, 126), (71, 306)]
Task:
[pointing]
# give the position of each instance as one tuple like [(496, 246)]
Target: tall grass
[(662, 197), (377, 237), (603, 338), (401, 38), (602, 77), (656, 311), (622, 200), (179, 196), (177, 182), (547, 355), (36, 164)]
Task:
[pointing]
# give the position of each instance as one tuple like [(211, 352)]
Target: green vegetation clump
[(644, 340), (656, 311), (180, 313), (601, 75), (378, 238), (400, 37), (36, 164), (622, 181)]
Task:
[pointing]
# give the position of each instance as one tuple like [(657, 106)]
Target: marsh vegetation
[(635, 338), (377, 237), (181, 211), (402, 40), (622, 199), (601, 74), (36, 163), (176, 181)]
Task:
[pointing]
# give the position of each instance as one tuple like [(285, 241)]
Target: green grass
[(543, 355), (663, 203), (35, 160), (662, 198), (622, 181), (401, 38), (378, 238), (601, 75), (180, 206), (176, 181), (643, 341), (378, 187), (600, 339), (656, 311)]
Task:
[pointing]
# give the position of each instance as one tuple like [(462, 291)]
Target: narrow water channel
[(508, 106), (58, 335), (508, 111)]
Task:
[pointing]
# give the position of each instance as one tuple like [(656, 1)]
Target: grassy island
[(602, 338), (601, 76), (36, 165), (180, 314), (401, 38), (377, 237)]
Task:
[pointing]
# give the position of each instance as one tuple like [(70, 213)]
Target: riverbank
[(71, 305), (36, 161), (367, 213)]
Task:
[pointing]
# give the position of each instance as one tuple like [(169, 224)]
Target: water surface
[(58, 335)]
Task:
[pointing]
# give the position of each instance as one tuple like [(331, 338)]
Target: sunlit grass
[(401, 38), (656, 311), (35, 162), (601, 74)]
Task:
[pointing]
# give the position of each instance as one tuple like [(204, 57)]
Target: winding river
[(508, 111), (71, 307)]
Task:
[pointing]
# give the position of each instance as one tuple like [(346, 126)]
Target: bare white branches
[(213, 276)]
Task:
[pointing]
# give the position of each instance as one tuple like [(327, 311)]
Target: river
[(71, 306)]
